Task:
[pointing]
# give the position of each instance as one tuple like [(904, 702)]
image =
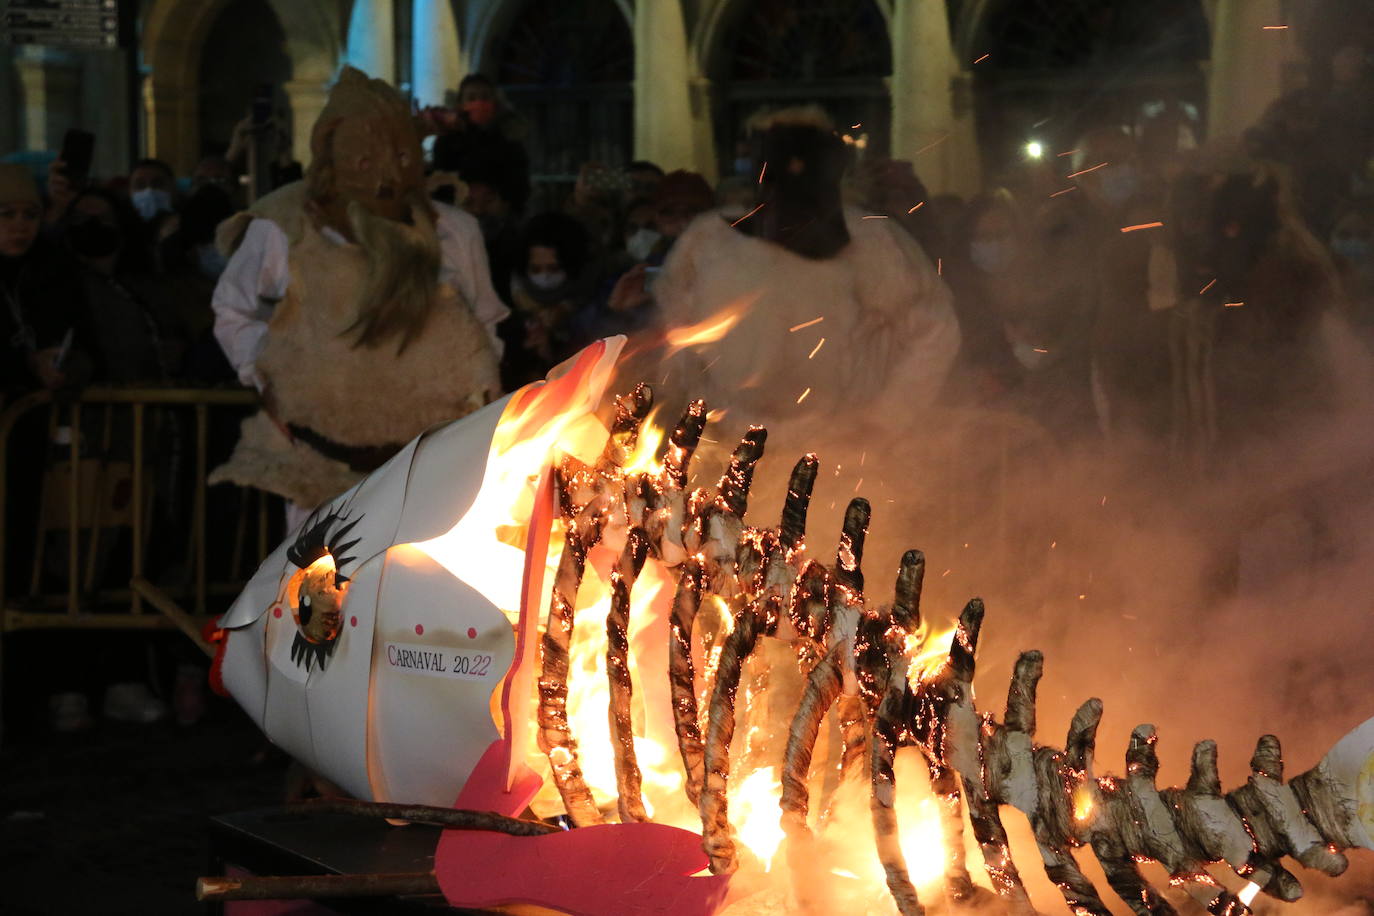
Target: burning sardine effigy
[(876, 667)]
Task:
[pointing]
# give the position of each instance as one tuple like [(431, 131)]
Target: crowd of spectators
[(1082, 281)]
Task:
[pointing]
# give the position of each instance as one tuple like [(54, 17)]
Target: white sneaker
[(69, 712), (133, 703)]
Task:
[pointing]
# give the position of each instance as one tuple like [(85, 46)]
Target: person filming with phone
[(482, 137)]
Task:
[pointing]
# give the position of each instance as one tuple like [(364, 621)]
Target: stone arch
[(851, 79), (173, 38), (713, 27), (567, 70), (491, 21)]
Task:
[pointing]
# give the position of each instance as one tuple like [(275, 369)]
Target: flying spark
[(1065, 191), (746, 216), (1274, 28), (805, 324), (1067, 152), (983, 58), (1233, 305), (931, 145), (803, 395), (1210, 283), (820, 343), (1100, 165), (763, 171), (917, 207), (1154, 225), (873, 217)]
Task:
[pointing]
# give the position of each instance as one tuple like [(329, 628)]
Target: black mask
[(92, 238)]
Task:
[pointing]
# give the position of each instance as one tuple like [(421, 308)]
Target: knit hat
[(17, 184)]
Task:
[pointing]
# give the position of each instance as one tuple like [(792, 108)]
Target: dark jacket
[(41, 301), (486, 154)]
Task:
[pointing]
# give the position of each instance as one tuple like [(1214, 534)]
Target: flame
[(923, 842), (644, 459), (754, 811), (1082, 803), (928, 650), (711, 329), (485, 547)]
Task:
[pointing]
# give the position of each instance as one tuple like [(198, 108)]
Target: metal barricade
[(78, 485)]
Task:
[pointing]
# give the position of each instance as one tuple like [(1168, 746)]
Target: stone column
[(172, 111), (371, 43), (932, 111), (105, 93), (307, 98), (1247, 63), (669, 128), (436, 57), (49, 95)]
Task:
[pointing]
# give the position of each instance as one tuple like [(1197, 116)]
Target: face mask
[(210, 261), (91, 238), (1119, 185), (641, 243), (548, 281), (991, 256), (149, 202), (1353, 249), (480, 111)]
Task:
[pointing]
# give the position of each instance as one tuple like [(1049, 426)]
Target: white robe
[(890, 333)]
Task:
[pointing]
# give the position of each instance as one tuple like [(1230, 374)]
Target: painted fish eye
[(319, 588), (319, 600)]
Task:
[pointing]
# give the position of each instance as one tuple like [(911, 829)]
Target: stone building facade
[(951, 84)]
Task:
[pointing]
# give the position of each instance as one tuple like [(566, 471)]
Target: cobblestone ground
[(112, 820)]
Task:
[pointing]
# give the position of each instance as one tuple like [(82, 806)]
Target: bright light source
[(1034, 149)]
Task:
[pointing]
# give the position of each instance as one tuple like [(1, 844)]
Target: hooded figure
[(824, 309), (362, 311)]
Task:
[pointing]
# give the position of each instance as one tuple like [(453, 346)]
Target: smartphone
[(78, 146)]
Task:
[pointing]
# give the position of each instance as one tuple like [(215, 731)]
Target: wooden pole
[(312, 887), (172, 611)]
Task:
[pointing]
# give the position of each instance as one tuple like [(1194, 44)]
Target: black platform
[(269, 841)]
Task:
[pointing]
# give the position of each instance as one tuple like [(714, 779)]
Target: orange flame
[(927, 650), (711, 329)]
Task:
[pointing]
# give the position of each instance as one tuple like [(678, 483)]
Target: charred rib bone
[(686, 602), (885, 734), (555, 732), (627, 775)]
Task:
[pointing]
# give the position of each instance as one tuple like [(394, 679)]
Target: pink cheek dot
[(419, 629), (276, 612), (472, 632), (353, 621)]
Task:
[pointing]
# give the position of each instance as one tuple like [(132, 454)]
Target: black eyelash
[(303, 650), (316, 539)]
